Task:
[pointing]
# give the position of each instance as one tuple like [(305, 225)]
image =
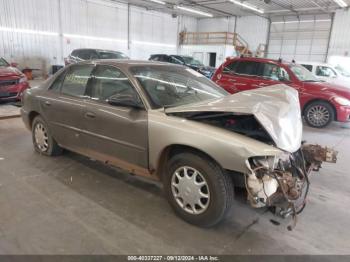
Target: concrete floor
[(72, 205)]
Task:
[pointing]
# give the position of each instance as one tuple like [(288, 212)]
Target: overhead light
[(27, 31), (158, 2), (153, 44), (194, 11), (247, 6), (87, 37), (341, 3), (302, 21)]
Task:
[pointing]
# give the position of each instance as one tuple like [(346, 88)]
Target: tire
[(218, 189), (43, 141), (319, 114)]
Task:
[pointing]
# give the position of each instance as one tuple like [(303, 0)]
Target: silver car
[(169, 123)]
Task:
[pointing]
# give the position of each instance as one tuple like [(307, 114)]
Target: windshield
[(111, 55), (191, 61), (302, 73), (170, 86), (3, 62), (342, 71)]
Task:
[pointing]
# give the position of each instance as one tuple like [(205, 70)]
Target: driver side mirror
[(126, 100)]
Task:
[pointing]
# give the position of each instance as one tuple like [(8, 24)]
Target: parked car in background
[(327, 73), (321, 102), (12, 82), (84, 54), (172, 124), (185, 60)]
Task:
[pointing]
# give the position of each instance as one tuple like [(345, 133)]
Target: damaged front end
[(282, 183)]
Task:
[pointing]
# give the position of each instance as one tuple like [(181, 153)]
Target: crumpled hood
[(9, 71), (276, 107)]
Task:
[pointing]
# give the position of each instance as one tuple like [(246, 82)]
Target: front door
[(63, 106), (117, 134), (239, 76)]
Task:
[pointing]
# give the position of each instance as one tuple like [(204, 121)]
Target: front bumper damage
[(282, 183)]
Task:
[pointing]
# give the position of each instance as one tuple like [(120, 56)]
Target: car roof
[(96, 49), (126, 63), (314, 63)]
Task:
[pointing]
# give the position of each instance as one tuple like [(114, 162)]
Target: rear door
[(63, 106), (239, 75), (114, 133)]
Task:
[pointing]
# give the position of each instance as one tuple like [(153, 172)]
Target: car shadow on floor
[(108, 186)]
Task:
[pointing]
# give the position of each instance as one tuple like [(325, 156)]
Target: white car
[(327, 73)]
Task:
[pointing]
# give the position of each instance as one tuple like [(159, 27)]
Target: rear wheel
[(43, 141), (197, 189), (319, 114)]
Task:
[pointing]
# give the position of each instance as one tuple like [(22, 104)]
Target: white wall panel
[(302, 38), (340, 38), (224, 24), (84, 23), (253, 29)]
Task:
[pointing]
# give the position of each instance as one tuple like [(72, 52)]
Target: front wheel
[(198, 190), (319, 114)]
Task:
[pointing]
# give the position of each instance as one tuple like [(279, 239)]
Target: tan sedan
[(170, 123)]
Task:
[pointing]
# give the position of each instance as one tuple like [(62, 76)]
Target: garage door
[(303, 39)]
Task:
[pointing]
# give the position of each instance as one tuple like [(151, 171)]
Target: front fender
[(229, 149)]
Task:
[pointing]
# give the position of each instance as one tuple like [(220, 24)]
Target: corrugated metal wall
[(340, 38), (253, 29), (41, 40), (303, 38)]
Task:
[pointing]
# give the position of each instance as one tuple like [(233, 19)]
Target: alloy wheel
[(318, 115)]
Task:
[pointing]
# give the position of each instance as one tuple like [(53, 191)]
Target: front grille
[(9, 82)]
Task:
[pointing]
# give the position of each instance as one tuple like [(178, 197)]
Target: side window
[(230, 68), (325, 71), (56, 85), (76, 79), (175, 61), (155, 58), (93, 55), (273, 72), (247, 68), (308, 67), (84, 54), (109, 81), (269, 71)]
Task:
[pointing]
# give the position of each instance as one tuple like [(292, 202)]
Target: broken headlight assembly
[(282, 182)]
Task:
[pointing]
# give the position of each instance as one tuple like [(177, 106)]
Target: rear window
[(111, 55), (308, 67)]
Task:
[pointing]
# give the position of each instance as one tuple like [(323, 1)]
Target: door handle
[(47, 103), (90, 115)]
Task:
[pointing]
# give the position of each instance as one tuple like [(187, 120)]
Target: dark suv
[(79, 55), (185, 60)]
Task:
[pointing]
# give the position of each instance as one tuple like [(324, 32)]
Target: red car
[(12, 82), (321, 102)]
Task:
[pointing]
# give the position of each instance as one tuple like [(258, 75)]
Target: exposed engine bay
[(283, 182), (244, 124)]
